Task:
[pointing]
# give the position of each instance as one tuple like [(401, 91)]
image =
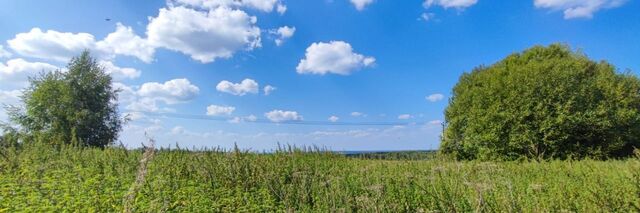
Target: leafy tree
[(546, 102), (77, 106)]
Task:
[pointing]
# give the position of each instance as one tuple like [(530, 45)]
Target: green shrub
[(77, 106), (546, 102)]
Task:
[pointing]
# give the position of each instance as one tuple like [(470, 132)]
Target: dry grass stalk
[(140, 177)]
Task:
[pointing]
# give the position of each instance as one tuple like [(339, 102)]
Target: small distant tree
[(77, 106), (546, 102)]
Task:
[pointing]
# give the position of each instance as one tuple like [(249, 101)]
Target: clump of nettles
[(545, 102)]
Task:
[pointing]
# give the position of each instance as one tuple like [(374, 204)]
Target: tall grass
[(42, 178)]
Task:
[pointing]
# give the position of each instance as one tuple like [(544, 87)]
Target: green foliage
[(77, 106), (397, 155), (39, 178), (546, 102)]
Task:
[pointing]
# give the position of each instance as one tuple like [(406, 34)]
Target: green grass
[(40, 178)]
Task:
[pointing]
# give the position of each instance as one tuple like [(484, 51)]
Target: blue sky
[(330, 61)]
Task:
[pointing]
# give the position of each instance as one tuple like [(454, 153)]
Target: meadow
[(41, 178)]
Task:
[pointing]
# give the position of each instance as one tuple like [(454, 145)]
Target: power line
[(266, 121)]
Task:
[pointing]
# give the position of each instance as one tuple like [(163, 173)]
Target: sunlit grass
[(40, 178)]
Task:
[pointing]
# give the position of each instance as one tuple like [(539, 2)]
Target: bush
[(77, 106), (546, 102)]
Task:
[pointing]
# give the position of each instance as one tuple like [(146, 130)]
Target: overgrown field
[(41, 178)]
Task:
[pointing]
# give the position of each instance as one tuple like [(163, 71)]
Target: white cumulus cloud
[(578, 8), (178, 130), (16, 72), (404, 116), (262, 5), (173, 91), (334, 57), (281, 116), (205, 30), (120, 73), (361, 4), (434, 97), (4, 53), (333, 118), (458, 4), (427, 16), (61, 46), (435, 122), (150, 94), (10, 97), (250, 118), (125, 42), (204, 35), (283, 33), (240, 89), (215, 110), (357, 114), (269, 89), (281, 8), (51, 44), (127, 94)]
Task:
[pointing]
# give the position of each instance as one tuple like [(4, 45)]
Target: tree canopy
[(75, 106), (545, 102)]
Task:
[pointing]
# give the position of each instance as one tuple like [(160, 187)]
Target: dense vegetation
[(39, 178), (546, 102), (75, 106), (394, 155)]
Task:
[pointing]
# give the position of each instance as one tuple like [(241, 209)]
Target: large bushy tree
[(545, 102), (76, 106)]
